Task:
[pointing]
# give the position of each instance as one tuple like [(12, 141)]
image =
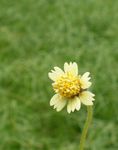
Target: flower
[(70, 88)]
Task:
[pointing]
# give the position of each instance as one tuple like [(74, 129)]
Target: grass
[(34, 37)]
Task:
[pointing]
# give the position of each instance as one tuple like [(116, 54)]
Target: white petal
[(78, 104), (61, 104), (58, 102), (72, 67), (69, 107), (73, 104), (55, 74), (84, 80), (86, 75), (54, 99), (86, 98)]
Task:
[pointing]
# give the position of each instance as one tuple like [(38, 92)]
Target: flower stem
[(86, 127)]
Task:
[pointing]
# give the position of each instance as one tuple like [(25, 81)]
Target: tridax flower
[(70, 88)]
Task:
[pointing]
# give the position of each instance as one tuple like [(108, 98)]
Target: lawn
[(35, 36)]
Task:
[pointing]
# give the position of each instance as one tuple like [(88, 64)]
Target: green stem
[(86, 127)]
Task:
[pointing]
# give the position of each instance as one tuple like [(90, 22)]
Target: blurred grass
[(34, 37)]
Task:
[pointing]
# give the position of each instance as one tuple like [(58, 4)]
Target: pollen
[(67, 85)]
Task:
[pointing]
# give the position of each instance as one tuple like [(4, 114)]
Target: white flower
[(70, 88)]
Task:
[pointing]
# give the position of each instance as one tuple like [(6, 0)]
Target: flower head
[(70, 88)]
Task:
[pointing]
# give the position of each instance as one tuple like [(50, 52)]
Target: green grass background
[(35, 36)]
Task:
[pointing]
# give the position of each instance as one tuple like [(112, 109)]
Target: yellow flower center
[(67, 85)]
